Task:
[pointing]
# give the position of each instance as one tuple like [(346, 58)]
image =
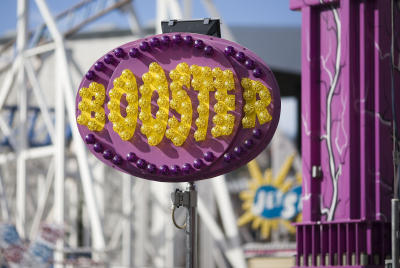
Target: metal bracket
[(388, 263), (171, 22), (206, 20), (316, 172), (185, 199), (206, 26)]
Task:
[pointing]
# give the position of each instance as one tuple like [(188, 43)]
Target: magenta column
[(347, 131)]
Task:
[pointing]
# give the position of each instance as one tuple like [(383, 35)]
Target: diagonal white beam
[(8, 133), (174, 9), (9, 80), (214, 230), (40, 98), (228, 219), (133, 20), (42, 198), (39, 50), (87, 183)]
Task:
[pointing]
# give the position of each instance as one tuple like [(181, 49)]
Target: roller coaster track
[(69, 22)]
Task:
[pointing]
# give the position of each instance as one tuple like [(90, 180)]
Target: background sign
[(269, 202), (178, 107)]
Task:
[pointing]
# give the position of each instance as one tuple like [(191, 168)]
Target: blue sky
[(233, 12), (254, 12)]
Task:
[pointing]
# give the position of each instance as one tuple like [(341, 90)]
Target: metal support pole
[(59, 162), (161, 14), (127, 212), (187, 9), (163, 255), (141, 219), (395, 233), (191, 228), (5, 211), (188, 199), (22, 15)]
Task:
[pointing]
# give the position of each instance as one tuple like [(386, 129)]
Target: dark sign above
[(178, 107)]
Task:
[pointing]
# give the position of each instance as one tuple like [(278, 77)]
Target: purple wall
[(347, 131)]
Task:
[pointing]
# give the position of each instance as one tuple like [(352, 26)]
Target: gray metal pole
[(395, 233), (188, 199), (191, 228)]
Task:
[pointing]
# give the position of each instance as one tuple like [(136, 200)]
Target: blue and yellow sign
[(269, 202)]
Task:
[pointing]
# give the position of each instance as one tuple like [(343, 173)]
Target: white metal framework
[(128, 225)]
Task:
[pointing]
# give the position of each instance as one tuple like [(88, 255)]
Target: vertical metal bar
[(310, 114), (72, 193), (5, 212), (159, 218), (22, 19), (59, 162), (98, 184), (187, 9), (141, 214), (208, 254), (169, 244), (174, 9), (395, 233), (161, 14), (127, 212), (191, 228), (299, 245)]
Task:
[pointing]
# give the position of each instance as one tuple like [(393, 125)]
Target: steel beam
[(22, 20)]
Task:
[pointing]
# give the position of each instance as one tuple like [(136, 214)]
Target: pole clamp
[(187, 199)]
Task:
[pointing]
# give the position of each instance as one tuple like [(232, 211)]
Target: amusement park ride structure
[(350, 66), (21, 75)]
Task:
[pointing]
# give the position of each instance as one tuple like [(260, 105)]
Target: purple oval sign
[(178, 107)]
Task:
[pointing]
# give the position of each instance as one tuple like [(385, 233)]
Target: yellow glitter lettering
[(202, 81), (125, 84), (178, 131), (253, 106), (154, 80), (223, 122), (92, 103)]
